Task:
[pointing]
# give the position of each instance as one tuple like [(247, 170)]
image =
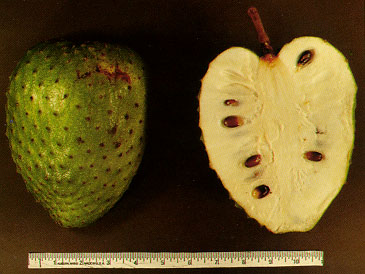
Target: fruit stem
[(262, 36)]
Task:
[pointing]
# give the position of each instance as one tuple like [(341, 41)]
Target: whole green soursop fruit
[(75, 116), (279, 130)]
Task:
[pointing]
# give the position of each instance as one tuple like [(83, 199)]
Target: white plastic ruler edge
[(175, 259)]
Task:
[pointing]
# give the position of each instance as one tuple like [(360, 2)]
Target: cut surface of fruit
[(279, 131)]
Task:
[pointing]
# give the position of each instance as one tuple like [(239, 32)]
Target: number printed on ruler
[(176, 259)]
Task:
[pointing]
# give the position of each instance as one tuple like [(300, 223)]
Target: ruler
[(175, 259)]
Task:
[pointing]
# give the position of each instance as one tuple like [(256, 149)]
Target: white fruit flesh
[(286, 110)]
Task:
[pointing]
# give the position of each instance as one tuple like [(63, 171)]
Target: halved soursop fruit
[(279, 130)]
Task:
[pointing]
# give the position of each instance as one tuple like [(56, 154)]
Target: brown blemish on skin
[(112, 73), (116, 74)]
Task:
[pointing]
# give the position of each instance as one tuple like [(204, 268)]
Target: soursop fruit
[(75, 123), (279, 130)]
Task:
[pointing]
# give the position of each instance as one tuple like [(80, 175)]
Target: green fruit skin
[(75, 124)]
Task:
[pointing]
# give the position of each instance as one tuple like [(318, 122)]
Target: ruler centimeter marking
[(175, 259)]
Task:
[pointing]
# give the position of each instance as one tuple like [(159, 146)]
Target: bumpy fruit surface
[(75, 123), (279, 130)]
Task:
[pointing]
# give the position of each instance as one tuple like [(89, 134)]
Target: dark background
[(176, 203)]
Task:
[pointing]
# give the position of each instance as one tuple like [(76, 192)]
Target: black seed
[(31, 98), (81, 167), (48, 129), (39, 111), (51, 153), (126, 116), (305, 58), (57, 80), (35, 126), (252, 161), (88, 151), (26, 113), (32, 140), (78, 106), (96, 177), (46, 97), (233, 121), (34, 70), (107, 170), (104, 157), (130, 131), (136, 105), (70, 156), (101, 145), (261, 191), (65, 96), (55, 113), (110, 112), (40, 84), (120, 155), (116, 144), (65, 128), (231, 102), (129, 87), (87, 118), (313, 156), (91, 166)]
